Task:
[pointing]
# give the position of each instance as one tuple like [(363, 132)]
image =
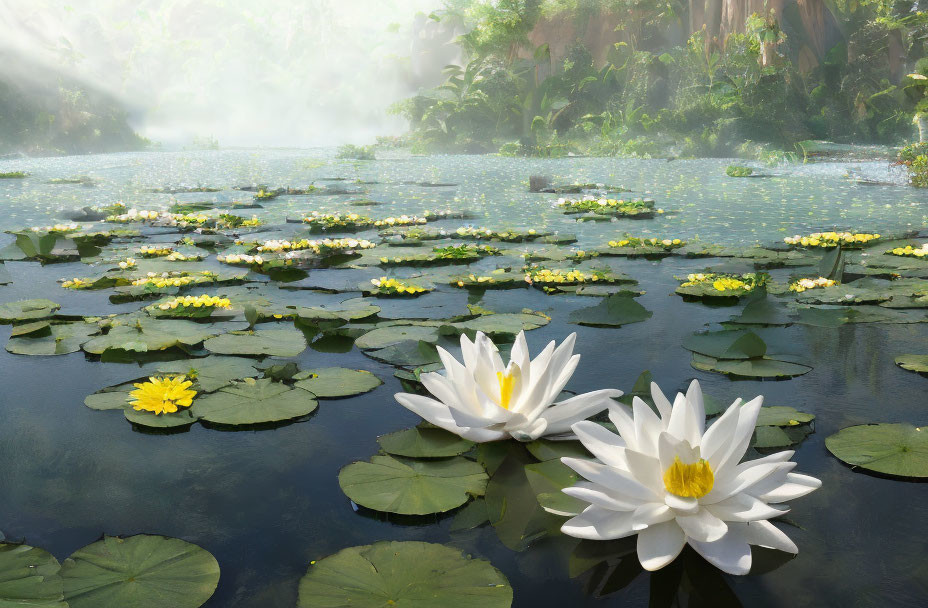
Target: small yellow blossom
[(162, 395)]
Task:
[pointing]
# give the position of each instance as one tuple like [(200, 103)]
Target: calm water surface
[(266, 503)]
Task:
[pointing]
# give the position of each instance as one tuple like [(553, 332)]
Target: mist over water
[(246, 72)]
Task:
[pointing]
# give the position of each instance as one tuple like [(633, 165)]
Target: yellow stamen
[(506, 384), (689, 480)]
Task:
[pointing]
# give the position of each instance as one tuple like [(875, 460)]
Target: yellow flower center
[(689, 480), (506, 384)]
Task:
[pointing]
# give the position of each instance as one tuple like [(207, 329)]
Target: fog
[(246, 72)]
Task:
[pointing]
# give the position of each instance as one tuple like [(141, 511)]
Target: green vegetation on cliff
[(666, 77)]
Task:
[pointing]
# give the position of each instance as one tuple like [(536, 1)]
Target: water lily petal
[(702, 526), (795, 486), (561, 416), (612, 478), (740, 438), (596, 523), (438, 414), (647, 426), (731, 553), (602, 443), (698, 408), (659, 545), (717, 439), (661, 402), (651, 513), (765, 534), (743, 508), (601, 496)]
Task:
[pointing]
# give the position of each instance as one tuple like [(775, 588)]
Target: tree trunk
[(921, 119)]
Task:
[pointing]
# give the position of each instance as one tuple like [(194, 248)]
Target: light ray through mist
[(247, 72)]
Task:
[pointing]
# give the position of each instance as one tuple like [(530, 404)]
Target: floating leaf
[(502, 323), (213, 372), (59, 339), (395, 334), (612, 311), (779, 437), (412, 487), (763, 367), (780, 415), (409, 353), (892, 449), (288, 342), (254, 402), (23, 310), (546, 449), (180, 418), (513, 508), (471, 515), (914, 363), (414, 574), (726, 344), (29, 577), (139, 572), (149, 335), (349, 310), (337, 381), (424, 442)]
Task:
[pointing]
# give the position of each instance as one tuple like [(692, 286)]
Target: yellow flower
[(162, 395)]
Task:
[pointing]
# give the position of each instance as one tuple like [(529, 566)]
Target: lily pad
[(57, 339), (612, 311), (213, 372), (414, 574), (502, 323), (288, 342), (254, 402), (139, 572), (29, 577), (781, 415), (180, 418), (424, 442), (412, 487), (914, 363), (337, 381), (349, 310), (727, 344), (408, 353), (388, 336), (900, 450), (23, 310), (761, 367), (150, 334)]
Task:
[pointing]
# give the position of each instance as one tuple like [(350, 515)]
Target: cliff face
[(43, 112)]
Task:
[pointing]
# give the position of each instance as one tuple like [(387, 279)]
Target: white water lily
[(485, 400), (673, 482)]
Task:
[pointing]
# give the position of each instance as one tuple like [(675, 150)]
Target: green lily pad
[(424, 442), (337, 381), (408, 353), (513, 507), (23, 310), (762, 311), (779, 436), (110, 398), (394, 334), (414, 574), (31, 327), (213, 372), (412, 487), (288, 342), (29, 577), (58, 339), (254, 402), (502, 323), (781, 415), (900, 450), (914, 363), (180, 418), (546, 449), (726, 344), (349, 310), (139, 572), (149, 335), (612, 311), (470, 516), (761, 367)]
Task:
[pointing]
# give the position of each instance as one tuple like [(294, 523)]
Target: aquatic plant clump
[(241, 259), (14, 175), (510, 236), (608, 206), (228, 220), (387, 286), (725, 284), (403, 220), (647, 243), (162, 395), (319, 247), (559, 276), (325, 222), (174, 279), (155, 251), (738, 171), (910, 251), (828, 240), (805, 284), (57, 228), (464, 251), (201, 305)]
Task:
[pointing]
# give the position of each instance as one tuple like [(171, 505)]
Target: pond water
[(266, 503)]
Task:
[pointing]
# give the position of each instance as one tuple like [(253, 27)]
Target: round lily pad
[(254, 402), (761, 367), (139, 572), (29, 577), (613, 311), (781, 415), (57, 339), (27, 309), (424, 442), (394, 334), (337, 381), (412, 487), (892, 449), (150, 334), (414, 574), (213, 372), (182, 417), (258, 343), (914, 363)]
